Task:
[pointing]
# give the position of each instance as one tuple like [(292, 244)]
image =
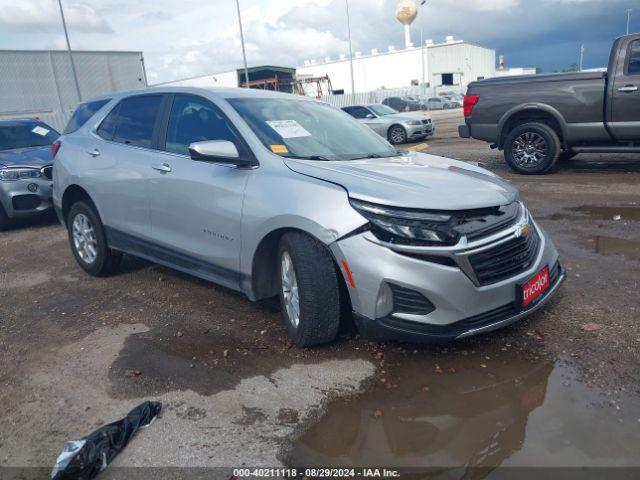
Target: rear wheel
[(309, 290), (88, 242), (532, 148), (5, 221), (397, 135)]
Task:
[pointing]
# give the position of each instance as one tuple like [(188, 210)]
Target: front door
[(196, 206), (625, 109)]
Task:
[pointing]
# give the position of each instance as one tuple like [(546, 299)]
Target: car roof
[(222, 93)]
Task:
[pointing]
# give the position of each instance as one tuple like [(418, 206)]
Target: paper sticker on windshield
[(40, 131), (279, 149), (288, 128)]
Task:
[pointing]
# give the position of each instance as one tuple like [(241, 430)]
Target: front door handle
[(628, 89), (162, 167), (94, 153)]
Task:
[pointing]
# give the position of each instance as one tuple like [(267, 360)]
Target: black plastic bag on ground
[(84, 458)]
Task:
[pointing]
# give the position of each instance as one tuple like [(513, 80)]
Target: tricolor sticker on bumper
[(535, 287)]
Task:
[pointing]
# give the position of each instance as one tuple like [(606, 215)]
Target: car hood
[(415, 180), (26, 157)]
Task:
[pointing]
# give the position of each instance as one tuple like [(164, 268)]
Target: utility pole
[(581, 56), (73, 65), (244, 53), (353, 84), (629, 10), (424, 85)]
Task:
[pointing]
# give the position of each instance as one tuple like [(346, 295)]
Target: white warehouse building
[(453, 63)]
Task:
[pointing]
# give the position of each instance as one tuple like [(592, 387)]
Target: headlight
[(413, 122), (8, 174), (400, 225)]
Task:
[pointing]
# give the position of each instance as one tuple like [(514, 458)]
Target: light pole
[(353, 84), (424, 85), (629, 10), (73, 65), (244, 53)]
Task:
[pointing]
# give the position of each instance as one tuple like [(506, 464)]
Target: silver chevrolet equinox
[(275, 194)]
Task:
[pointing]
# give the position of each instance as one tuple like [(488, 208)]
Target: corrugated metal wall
[(376, 96), (40, 83)]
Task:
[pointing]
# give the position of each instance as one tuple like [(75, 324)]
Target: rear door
[(625, 94), (196, 206), (122, 165)]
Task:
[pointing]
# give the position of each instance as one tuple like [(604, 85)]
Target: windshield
[(27, 135), (309, 130), (382, 110)]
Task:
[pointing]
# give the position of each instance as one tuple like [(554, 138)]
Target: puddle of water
[(617, 246), (476, 413), (600, 213)]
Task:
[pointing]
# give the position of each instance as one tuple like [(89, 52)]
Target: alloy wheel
[(530, 149), (84, 238), (397, 135), (290, 289)]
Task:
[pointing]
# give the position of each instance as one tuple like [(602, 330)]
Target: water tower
[(406, 12)]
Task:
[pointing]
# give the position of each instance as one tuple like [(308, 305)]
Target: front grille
[(410, 301), (507, 259), (47, 172), (554, 273)]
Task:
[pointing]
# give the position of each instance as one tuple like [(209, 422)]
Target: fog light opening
[(384, 303)]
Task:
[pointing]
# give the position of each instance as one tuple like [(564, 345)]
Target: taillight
[(470, 101), (55, 147)]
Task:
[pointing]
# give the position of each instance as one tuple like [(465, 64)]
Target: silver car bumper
[(462, 306), (419, 131), (27, 197)]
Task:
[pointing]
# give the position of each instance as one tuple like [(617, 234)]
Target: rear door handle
[(628, 89), (162, 167), (94, 153)]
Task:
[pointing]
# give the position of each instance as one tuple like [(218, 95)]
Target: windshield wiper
[(310, 157), (375, 155)]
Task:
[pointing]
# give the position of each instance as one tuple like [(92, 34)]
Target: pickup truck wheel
[(88, 242), (532, 148), (309, 290), (397, 135)]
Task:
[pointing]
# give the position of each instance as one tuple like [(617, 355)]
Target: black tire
[(397, 134), (318, 290), (106, 260), (5, 221), (566, 155), (534, 136)]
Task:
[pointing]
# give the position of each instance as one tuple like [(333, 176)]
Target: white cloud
[(45, 14)]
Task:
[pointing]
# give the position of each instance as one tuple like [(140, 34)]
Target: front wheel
[(88, 242), (532, 148), (397, 135), (309, 290)]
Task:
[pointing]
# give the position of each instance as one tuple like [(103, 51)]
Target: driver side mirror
[(370, 116), (217, 151)]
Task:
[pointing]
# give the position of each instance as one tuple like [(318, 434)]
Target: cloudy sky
[(195, 37)]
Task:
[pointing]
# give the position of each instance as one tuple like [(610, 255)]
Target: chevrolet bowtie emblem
[(523, 231)]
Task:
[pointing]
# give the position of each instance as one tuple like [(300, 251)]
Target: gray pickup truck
[(539, 119)]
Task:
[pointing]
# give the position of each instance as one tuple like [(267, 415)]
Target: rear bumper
[(463, 131)]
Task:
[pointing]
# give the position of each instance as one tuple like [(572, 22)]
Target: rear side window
[(132, 121), (634, 58), (83, 113)]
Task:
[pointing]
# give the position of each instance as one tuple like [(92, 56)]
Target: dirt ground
[(77, 352)]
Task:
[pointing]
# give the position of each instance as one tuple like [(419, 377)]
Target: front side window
[(26, 135), (132, 121), (634, 58), (309, 130), (83, 113), (194, 119)]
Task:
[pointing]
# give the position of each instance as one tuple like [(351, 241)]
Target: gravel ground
[(80, 351)]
